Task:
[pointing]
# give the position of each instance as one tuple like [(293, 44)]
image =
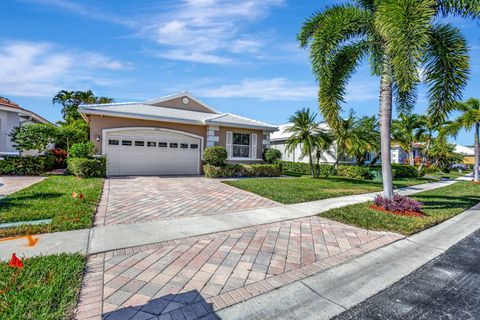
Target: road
[(447, 287)]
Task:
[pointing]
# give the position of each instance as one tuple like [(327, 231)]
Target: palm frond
[(404, 26), (463, 8), (446, 70)]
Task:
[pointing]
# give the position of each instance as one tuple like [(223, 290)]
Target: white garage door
[(150, 152)]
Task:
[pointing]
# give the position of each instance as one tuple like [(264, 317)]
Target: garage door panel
[(140, 152)]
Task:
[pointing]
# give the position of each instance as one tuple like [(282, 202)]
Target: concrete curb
[(329, 293)]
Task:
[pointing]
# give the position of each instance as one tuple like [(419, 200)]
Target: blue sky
[(239, 56)]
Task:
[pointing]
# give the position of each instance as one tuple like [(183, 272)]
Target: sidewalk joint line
[(318, 294)]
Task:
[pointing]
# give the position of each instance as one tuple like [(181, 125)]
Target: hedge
[(242, 170), (304, 168), (86, 168), (26, 166), (355, 172), (405, 171)]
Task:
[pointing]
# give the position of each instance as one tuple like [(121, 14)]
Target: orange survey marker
[(79, 195), (32, 241), (15, 262)]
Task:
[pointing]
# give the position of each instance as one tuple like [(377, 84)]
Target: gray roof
[(143, 110)]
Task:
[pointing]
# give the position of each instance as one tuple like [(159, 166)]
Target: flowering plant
[(398, 203)]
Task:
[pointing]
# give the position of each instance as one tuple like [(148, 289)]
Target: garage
[(151, 151)]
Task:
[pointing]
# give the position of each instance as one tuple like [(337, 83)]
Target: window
[(126, 142), (113, 142), (139, 143), (151, 144), (162, 144), (241, 145), (184, 145), (194, 146), (173, 145)]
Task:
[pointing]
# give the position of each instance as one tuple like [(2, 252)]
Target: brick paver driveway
[(142, 199), (193, 277)]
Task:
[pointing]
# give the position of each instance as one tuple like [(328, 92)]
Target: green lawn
[(52, 198), (451, 175), (302, 189), (45, 288), (439, 204)]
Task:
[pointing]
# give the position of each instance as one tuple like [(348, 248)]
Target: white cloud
[(275, 89), (206, 28), (40, 69), (362, 91)]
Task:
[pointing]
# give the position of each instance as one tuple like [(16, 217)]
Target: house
[(167, 136), (468, 154), (278, 140), (401, 156), (11, 116)]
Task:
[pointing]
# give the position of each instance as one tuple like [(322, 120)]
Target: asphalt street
[(447, 287)]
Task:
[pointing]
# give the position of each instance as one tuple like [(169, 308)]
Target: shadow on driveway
[(187, 305)]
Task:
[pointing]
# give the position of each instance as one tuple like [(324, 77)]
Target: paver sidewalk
[(9, 185), (193, 277)]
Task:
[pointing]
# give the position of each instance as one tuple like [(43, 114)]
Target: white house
[(11, 116)]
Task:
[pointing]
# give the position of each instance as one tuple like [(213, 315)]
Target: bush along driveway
[(303, 189), (52, 198)]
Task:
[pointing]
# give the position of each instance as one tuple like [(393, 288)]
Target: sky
[(238, 56)]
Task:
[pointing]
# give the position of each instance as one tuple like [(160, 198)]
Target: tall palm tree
[(70, 100), (470, 119), (305, 134), (430, 127), (369, 139), (401, 38), (407, 130)]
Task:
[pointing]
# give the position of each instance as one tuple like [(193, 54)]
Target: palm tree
[(470, 119), (429, 127), (306, 134), (401, 38), (442, 154), (369, 139), (406, 130), (70, 100)]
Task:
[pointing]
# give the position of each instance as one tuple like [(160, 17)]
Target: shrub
[(59, 158), (355, 172), (215, 156), (242, 170), (271, 155), (402, 171), (86, 168), (398, 203), (27, 165), (82, 150), (304, 168)]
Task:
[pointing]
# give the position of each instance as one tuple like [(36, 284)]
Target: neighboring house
[(468, 153), (278, 140), (11, 116), (401, 156), (167, 136)]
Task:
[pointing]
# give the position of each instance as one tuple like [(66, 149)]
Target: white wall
[(8, 121)]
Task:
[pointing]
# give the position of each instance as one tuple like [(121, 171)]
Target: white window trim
[(231, 157)]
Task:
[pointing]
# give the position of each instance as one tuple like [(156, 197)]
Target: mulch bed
[(399, 213)]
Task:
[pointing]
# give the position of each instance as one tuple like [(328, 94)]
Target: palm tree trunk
[(311, 161), (424, 155), (410, 156), (477, 153), (385, 119)]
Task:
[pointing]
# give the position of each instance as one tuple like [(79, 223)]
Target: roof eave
[(238, 125), (138, 116)]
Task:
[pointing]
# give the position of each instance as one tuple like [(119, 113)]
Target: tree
[(407, 130), (306, 134), (442, 154), (470, 119), (369, 139), (33, 137), (401, 38), (67, 135), (70, 100)]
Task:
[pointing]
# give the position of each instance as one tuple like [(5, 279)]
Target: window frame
[(241, 144)]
